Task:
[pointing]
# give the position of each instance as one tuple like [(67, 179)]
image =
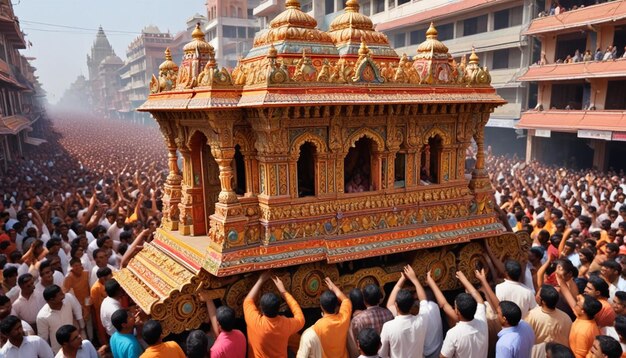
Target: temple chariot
[(319, 154)]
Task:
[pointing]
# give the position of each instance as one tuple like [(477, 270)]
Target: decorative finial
[(352, 6), (431, 33), (197, 33), (271, 53), (363, 50), (292, 4), (168, 54), (474, 59)]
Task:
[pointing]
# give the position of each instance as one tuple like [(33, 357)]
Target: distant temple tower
[(100, 50)]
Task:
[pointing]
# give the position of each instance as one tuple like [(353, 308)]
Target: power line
[(79, 28), (70, 32)]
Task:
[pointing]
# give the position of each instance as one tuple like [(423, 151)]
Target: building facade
[(20, 106), (493, 28), (231, 28), (580, 116)]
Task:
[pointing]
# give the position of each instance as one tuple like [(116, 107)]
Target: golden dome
[(293, 16), (352, 26), (474, 59), (168, 64), (198, 43), (432, 44)]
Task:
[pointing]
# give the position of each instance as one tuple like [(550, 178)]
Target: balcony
[(579, 70), (572, 121), (266, 8), (613, 12), (10, 27)]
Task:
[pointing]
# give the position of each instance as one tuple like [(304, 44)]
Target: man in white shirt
[(60, 309), (403, 336), (20, 345), (110, 304), (30, 301), (469, 338), (73, 345), (101, 260), (48, 275), (512, 290)]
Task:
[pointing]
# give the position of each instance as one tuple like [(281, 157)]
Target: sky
[(61, 50)]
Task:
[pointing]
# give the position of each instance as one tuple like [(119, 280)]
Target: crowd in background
[(76, 209)]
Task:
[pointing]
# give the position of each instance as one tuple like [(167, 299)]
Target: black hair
[(101, 241), (372, 295), (4, 299), (620, 325), (151, 332), (537, 251), (126, 235), (612, 246), (612, 264), (558, 350), (369, 341), (404, 300), (8, 323), (23, 278), (119, 318), (567, 266), (466, 305), (44, 265), (51, 292), (356, 297), (197, 344), (226, 318), (74, 260), (609, 346), (587, 253), (270, 303), (103, 271), (549, 295), (513, 269), (329, 301), (53, 242), (112, 287), (599, 284), (9, 272), (621, 295), (64, 332), (591, 306), (511, 312), (96, 252)]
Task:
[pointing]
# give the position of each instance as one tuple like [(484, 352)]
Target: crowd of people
[(76, 209)]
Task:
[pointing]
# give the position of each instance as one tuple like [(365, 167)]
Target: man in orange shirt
[(151, 333), (98, 294), (332, 328), (268, 333)]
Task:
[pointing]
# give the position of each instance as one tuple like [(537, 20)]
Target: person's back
[(512, 290), (151, 334), (468, 338), (123, 343), (374, 316), (404, 336), (549, 323), (332, 328), (230, 342), (516, 339), (584, 329)]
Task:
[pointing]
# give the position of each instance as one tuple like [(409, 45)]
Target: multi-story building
[(580, 115), (231, 28), (184, 37), (109, 85), (144, 55), (493, 28), (19, 104)]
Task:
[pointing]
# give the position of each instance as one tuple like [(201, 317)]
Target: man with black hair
[(610, 271), (30, 300), (332, 328), (97, 294), (469, 338), (48, 276), (599, 289), (229, 342), (268, 333), (395, 332), (605, 347), (584, 329), (110, 304), (9, 285), (557, 350), (619, 303), (19, 345), (101, 260), (617, 331), (368, 342), (73, 345), (123, 343), (5, 311), (516, 338), (60, 309), (374, 316), (512, 290), (151, 333), (549, 323)]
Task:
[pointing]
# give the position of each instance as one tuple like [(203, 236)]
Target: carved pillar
[(185, 205), (172, 191), (250, 165), (480, 185), (224, 158)]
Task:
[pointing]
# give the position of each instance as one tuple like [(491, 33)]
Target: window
[(307, 5), (431, 161), (500, 59), (379, 6), (399, 40), (329, 7), (240, 171), (391, 4), (306, 170), (402, 2), (250, 13), (229, 31), (399, 166), (417, 37), (366, 8), (516, 15), (501, 19), (241, 32), (357, 167), (475, 25), (446, 32)]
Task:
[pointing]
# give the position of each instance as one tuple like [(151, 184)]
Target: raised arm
[(410, 274), (254, 291), (210, 306), (331, 286), (542, 271), (394, 293), (469, 287), (441, 300), (491, 296), (565, 291)]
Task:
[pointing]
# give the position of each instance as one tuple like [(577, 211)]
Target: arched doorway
[(204, 182), (431, 161), (306, 170), (358, 167), (240, 172)]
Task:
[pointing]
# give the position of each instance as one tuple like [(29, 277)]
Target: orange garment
[(268, 337), (169, 349), (582, 335), (606, 316), (332, 330), (98, 294), (80, 286)]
